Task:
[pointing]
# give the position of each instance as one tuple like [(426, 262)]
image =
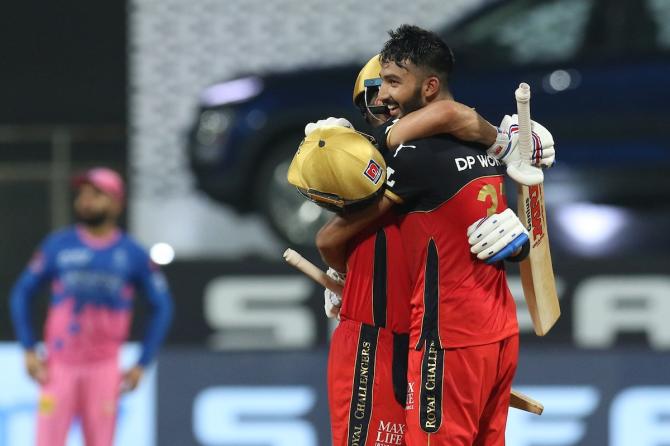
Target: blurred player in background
[(463, 334), (94, 270), (368, 355)]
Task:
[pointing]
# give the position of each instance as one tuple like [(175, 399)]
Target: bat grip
[(523, 172), (522, 95)]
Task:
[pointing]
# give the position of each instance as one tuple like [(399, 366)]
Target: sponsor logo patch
[(390, 433), (46, 404), (360, 410), (373, 171), (534, 214), (430, 411), (409, 404)]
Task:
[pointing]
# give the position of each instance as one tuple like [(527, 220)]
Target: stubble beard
[(414, 103)]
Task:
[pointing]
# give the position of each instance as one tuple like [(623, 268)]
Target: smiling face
[(403, 88), (415, 67)]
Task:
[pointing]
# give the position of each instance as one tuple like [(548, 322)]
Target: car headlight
[(230, 92)]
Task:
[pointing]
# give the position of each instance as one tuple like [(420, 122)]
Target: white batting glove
[(337, 276), (506, 150), (497, 237), (333, 301), (329, 122), (501, 148)]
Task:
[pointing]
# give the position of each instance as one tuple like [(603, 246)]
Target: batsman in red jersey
[(367, 362), (368, 357), (376, 294), (463, 322), (463, 332), (367, 392)]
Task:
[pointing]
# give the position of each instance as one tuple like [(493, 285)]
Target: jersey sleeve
[(154, 285), (381, 134), (40, 269), (408, 171)]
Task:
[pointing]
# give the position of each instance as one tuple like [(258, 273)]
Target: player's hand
[(329, 122), (506, 150), (36, 367), (132, 378), (332, 300), (497, 236)]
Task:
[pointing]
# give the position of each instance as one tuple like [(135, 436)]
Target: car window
[(528, 31), (660, 11)]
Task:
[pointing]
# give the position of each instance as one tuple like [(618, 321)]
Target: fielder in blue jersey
[(94, 270)]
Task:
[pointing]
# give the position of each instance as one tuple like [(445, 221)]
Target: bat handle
[(294, 259), (522, 95), (522, 171)]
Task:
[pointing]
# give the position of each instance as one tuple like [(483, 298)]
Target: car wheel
[(292, 217)]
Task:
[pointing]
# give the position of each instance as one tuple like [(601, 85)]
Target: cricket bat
[(517, 399), (537, 274), (523, 402), (312, 271)]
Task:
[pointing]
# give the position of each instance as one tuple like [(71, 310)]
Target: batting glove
[(329, 122), (333, 301), (506, 150), (497, 237)]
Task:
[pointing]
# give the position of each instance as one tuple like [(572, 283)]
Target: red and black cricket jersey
[(377, 288), (442, 186)]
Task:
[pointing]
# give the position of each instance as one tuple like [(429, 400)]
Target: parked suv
[(599, 71)]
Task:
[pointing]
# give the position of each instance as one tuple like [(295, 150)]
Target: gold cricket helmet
[(338, 168), (369, 71), (367, 87)]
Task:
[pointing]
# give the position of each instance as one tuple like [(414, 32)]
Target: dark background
[(63, 62)]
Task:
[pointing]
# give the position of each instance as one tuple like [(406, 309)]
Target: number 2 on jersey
[(489, 190)]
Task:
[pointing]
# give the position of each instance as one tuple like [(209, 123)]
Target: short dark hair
[(423, 48)]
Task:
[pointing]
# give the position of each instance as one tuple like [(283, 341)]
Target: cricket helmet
[(338, 168), (369, 71), (367, 86)]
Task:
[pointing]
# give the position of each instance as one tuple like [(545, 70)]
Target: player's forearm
[(482, 132), (439, 117), (331, 241), (157, 328), (20, 304), (333, 238)]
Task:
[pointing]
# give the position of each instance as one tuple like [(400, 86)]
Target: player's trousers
[(367, 384), (89, 391), (460, 396)]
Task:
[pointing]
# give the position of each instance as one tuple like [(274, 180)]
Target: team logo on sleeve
[(373, 171), (400, 147), (388, 129)]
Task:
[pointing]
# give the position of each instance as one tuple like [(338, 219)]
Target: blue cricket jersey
[(93, 283)]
